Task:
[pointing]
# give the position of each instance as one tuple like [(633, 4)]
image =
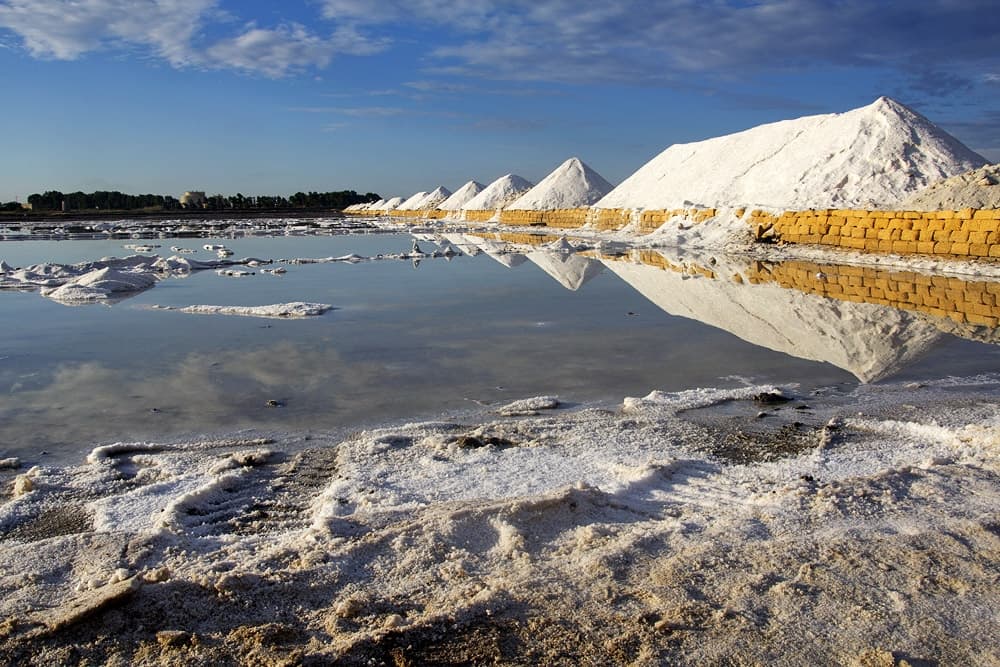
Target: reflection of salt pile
[(872, 156), (499, 251), (979, 188), (870, 341), (498, 194), (461, 196), (569, 269), (572, 184)]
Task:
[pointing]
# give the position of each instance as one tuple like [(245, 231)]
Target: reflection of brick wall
[(960, 300), (968, 232)]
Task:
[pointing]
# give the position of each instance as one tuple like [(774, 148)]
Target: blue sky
[(396, 96)]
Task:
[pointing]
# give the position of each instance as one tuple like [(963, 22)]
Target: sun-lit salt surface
[(683, 519), (278, 310)]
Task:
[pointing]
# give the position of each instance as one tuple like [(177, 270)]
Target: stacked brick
[(650, 221), (965, 302), (610, 219), (565, 218), (479, 216), (968, 232)]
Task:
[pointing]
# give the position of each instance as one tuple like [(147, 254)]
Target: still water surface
[(404, 342)]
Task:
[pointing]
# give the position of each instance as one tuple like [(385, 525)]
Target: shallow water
[(408, 341)]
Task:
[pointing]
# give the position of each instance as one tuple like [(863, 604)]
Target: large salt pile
[(499, 193), (434, 198), (413, 202), (391, 204), (461, 196), (979, 188), (572, 184), (872, 157)]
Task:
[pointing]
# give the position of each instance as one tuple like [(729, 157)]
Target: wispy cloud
[(277, 52), (933, 44), (173, 30), (64, 30), (935, 47)]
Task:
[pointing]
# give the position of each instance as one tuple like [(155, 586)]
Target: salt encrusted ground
[(857, 528)]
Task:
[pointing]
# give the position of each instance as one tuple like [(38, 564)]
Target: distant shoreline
[(192, 214)]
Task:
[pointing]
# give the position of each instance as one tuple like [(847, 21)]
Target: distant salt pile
[(499, 193), (461, 196), (413, 202), (872, 157), (573, 184), (391, 204), (979, 188), (433, 199)]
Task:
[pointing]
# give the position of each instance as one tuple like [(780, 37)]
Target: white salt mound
[(279, 310), (100, 284), (435, 197), (461, 196), (571, 185), (413, 201), (871, 157), (979, 188), (499, 193), (391, 204)]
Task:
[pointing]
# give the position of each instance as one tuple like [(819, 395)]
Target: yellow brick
[(983, 320), (959, 248), (961, 236), (965, 214), (979, 249)]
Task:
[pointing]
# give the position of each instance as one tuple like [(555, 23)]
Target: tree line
[(53, 200)]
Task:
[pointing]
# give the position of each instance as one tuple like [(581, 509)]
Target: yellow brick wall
[(609, 219), (965, 233), (565, 218), (479, 215)]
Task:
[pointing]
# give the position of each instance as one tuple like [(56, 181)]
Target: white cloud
[(65, 30), (172, 30), (636, 41), (277, 52), (939, 46)]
